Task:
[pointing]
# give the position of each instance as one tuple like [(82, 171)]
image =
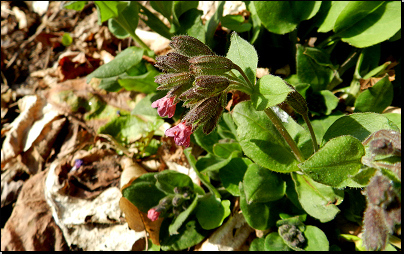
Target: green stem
[(313, 136), (244, 76), (285, 134), (132, 33)]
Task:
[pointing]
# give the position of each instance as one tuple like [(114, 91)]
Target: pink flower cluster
[(153, 215), (181, 132)]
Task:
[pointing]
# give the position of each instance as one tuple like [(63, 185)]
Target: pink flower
[(152, 214), (165, 106), (181, 133)]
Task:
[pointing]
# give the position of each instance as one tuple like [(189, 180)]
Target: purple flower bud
[(181, 133), (78, 163), (173, 62), (189, 46), (153, 215), (168, 81), (165, 106), (210, 65)]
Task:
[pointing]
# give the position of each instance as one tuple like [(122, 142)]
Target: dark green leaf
[(375, 98), (226, 127), (335, 162), (178, 222), (206, 141), (143, 184), (332, 15), (164, 7), (191, 24), (233, 173), (262, 185), (126, 22), (167, 180), (224, 150), (212, 162), (211, 212), (316, 240), (235, 23), (257, 244), (110, 9), (180, 7), (212, 24), (358, 125), (122, 62), (274, 242), (318, 200), (143, 83), (269, 91), (188, 235), (154, 22)]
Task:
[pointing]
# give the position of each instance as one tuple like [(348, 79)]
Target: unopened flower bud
[(152, 214), (210, 65), (177, 201), (173, 62), (296, 101), (211, 85), (168, 81), (189, 46)]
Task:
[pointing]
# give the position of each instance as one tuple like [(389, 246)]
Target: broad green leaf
[(226, 127), (274, 242), (178, 222), (109, 9), (257, 244), (143, 107), (75, 5), (282, 17), (262, 142), (331, 101), (262, 185), (260, 216), (212, 162), (121, 63), (375, 98), (395, 118), (269, 91), (224, 150), (164, 7), (233, 173), (135, 193), (313, 67), (316, 240), (191, 24), (368, 60), (110, 84), (332, 15), (235, 23), (376, 22), (211, 212), (154, 22), (189, 235), (318, 200), (359, 125), (336, 161), (244, 55), (167, 180), (320, 125), (256, 22)]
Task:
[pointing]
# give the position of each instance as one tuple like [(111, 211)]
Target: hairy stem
[(285, 134), (313, 136)]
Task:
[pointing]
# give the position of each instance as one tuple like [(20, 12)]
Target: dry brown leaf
[(131, 171), (31, 226)]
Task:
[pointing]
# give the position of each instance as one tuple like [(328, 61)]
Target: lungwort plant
[(297, 178)]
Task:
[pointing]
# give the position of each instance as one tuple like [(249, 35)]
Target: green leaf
[(257, 244), (262, 185), (376, 22), (126, 22), (154, 22), (178, 8), (233, 173), (135, 193), (224, 150), (206, 141), (269, 91), (167, 180), (375, 98), (313, 67), (261, 141), (316, 240), (143, 83), (359, 125), (127, 129), (244, 55), (274, 242), (212, 162), (260, 216), (395, 118), (211, 212), (212, 24), (332, 15), (191, 24), (336, 161), (318, 200), (110, 9), (188, 235), (164, 7), (256, 22), (66, 39), (121, 63), (320, 125), (226, 127), (282, 17), (235, 23), (75, 5), (143, 107), (179, 221)]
